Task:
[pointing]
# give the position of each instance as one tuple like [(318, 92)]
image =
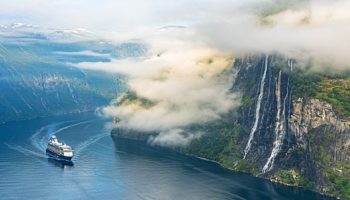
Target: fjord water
[(109, 168)]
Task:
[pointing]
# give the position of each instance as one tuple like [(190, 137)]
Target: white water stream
[(280, 129), (257, 111)]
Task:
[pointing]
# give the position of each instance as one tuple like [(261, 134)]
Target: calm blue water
[(107, 168)]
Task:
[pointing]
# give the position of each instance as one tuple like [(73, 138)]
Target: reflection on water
[(110, 168), (61, 163), (171, 175)]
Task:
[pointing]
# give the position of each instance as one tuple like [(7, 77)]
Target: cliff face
[(324, 139), (298, 142), (312, 114), (282, 131), (266, 106)]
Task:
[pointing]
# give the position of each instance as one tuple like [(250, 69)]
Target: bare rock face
[(325, 138), (307, 143), (312, 114)]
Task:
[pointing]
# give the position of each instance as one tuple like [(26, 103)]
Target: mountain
[(292, 127), (38, 77)]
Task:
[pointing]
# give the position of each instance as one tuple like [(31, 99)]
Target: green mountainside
[(314, 150)]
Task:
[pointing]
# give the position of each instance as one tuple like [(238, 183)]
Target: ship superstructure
[(59, 150)]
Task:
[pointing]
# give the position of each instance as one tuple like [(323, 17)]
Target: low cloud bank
[(177, 84), (185, 78), (315, 32), (174, 137)]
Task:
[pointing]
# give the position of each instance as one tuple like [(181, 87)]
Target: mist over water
[(110, 168)]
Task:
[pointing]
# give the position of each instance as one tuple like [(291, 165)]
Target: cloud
[(103, 15), (306, 30), (173, 138), (186, 76), (179, 83), (189, 82)]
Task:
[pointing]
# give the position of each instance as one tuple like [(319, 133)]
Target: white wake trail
[(26, 151), (79, 148), (257, 110), (42, 136)]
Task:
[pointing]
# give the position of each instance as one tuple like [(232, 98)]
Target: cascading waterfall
[(257, 110), (290, 64), (280, 129)]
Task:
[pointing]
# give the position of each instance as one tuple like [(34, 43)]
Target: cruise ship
[(59, 151)]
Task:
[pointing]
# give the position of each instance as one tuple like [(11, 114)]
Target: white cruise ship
[(59, 150)]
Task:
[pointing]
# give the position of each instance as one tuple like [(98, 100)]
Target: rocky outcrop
[(312, 114), (300, 142), (323, 141)]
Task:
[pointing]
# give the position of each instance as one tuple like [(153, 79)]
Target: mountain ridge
[(38, 76), (279, 151)]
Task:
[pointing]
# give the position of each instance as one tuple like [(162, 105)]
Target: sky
[(102, 15), (314, 29), (193, 57)]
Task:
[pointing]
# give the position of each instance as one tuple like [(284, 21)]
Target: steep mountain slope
[(37, 77), (292, 126)]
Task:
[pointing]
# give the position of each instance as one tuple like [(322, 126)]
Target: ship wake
[(40, 138)]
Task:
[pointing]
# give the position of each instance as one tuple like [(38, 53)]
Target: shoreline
[(233, 170), (260, 177)]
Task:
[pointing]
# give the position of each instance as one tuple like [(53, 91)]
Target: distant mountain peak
[(27, 30)]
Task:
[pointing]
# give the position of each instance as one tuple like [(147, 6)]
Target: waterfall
[(257, 110), (290, 64), (280, 129)]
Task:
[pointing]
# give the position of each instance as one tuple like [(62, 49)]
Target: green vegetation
[(332, 88), (209, 146), (293, 177), (131, 97), (218, 144), (337, 93), (305, 84), (247, 101), (246, 166), (314, 167), (340, 182), (290, 176), (305, 183), (335, 172)]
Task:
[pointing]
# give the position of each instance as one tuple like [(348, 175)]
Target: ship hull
[(56, 156)]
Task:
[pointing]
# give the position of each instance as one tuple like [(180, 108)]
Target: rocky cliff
[(291, 130), (290, 134), (292, 127), (323, 138)]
